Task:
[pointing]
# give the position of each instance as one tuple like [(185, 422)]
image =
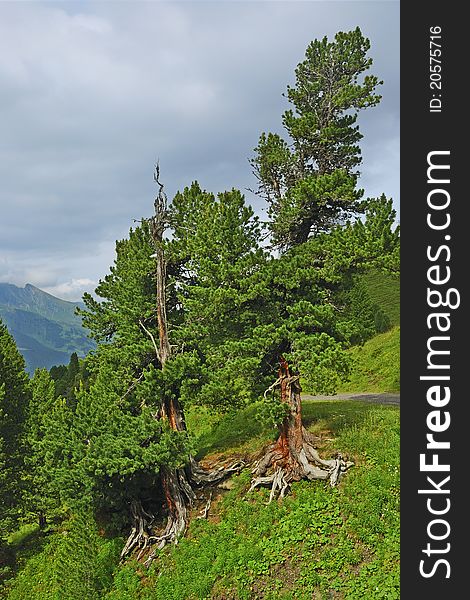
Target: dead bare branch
[(272, 387), (157, 352), (131, 387)]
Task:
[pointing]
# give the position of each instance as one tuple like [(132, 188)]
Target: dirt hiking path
[(376, 398)]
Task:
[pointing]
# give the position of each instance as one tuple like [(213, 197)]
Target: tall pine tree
[(39, 497), (310, 180), (14, 399), (311, 188)]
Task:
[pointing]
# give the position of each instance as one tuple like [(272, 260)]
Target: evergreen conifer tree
[(14, 398), (39, 498), (310, 181)]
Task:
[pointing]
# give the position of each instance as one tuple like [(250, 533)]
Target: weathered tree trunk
[(177, 490), (294, 456), (176, 483), (165, 348)]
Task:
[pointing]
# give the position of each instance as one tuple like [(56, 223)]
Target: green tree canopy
[(310, 180), (40, 498), (14, 398)]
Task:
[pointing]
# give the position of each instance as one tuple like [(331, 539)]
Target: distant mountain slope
[(45, 328), (34, 300)]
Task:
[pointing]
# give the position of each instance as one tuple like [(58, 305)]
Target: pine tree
[(215, 242), (311, 188), (310, 181), (67, 378), (201, 317), (75, 562), (131, 445), (195, 311), (244, 312), (14, 398), (39, 497)]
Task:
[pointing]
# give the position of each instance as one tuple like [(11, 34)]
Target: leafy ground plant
[(320, 542)]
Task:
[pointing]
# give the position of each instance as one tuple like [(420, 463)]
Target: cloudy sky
[(92, 93)]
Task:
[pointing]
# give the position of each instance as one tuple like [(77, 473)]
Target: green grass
[(319, 542), (384, 289), (200, 420), (376, 365), (237, 432)]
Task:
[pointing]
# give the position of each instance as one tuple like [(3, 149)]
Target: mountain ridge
[(45, 328), (34, 299)]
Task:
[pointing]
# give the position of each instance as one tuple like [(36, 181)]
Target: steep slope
[(377, 362), (45, 328), (319, 542), (376, 365), (384, 289)]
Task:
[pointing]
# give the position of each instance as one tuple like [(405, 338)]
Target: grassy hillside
[(384, 289), (317, 543), (377, 362), (376, 365)]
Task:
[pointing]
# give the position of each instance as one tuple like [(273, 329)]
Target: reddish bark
[(172, 412), (294, 456), (291, 430), (176, 483)]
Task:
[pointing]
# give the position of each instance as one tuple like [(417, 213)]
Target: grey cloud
[(91, 94)]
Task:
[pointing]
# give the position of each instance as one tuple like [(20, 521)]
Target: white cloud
[(72, 290)]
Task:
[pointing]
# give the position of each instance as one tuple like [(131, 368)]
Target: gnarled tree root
[(140, 535), (290, 462), (201, 477), (293, 456), (179, 496)]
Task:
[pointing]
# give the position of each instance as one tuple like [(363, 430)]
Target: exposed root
[(179, 497), (277, 481), (200, 476), (141, 529), (290, 465), (293, 456), (205, 511)]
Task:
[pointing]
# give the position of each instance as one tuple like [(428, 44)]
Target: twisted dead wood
[(294, 455)]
